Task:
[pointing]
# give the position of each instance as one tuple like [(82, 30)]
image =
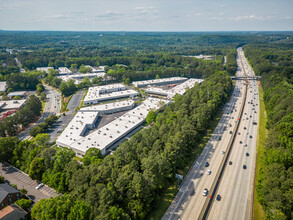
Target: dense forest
[(274, 62)]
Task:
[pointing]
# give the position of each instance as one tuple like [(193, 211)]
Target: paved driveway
[(22, 180)]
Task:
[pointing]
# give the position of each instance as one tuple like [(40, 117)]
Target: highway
[(190, 202), (236, 186)]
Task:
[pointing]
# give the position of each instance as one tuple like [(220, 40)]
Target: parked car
[(40, 186)]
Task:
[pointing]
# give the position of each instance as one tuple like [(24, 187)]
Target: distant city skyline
[(147, 15)]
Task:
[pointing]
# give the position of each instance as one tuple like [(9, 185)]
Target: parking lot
[(14, 176)]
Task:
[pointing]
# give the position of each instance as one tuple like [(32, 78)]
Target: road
[(19, 65), (22, 180), (189, 202), (236, 187), (63, 121), (52, 107)]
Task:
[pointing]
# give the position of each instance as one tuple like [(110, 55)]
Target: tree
[(127, 81), (43, 96), (1, 179), (9, 90), (24, 203), (151, 117), (42, 139), (157, 76), (17, 97), (92, 155), (7, 146), (37, 168), (23, 191)]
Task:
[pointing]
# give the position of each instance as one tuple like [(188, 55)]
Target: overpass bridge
[(246, 77)]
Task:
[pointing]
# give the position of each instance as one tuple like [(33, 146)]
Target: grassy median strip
[(258, 212)]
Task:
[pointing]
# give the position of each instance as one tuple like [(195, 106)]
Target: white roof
[(46, 69), (179, 89), (64, 70), (2, 86), (158, 81), (107, 96), (117, 129), (107, 135), (17, 93), (12, 104), (78, 77), (108, 106), (96, 69)]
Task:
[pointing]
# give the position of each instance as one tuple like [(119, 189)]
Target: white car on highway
[(209, 172), (205, 192)]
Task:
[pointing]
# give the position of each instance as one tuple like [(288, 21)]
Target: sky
[(147, 15)]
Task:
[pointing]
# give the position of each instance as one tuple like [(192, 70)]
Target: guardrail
[(208, 202)]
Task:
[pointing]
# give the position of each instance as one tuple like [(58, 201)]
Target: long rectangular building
[(74, 136), (164, 81), (108, 92), (179, 89)]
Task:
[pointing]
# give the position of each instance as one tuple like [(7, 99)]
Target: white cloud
[(248, 17), (198, 14)]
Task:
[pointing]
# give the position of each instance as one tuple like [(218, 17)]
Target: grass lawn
[(165, 200), (258, 212)]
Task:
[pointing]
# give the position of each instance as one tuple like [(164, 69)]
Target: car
[(207, 164), (205, 192), (244, 128), (230, 132), (230, 125), (209, 172), (245, 145), (230, 162), (218, 197), (240, 142), (40, 186), (247, 154), (255, 111), (250, 136), (223, 152), (244, 166), (220, 138), (239, 133)]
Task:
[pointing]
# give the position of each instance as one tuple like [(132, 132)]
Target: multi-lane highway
[(230, 148)]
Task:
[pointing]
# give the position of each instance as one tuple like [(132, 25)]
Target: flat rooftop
[(17, 93), (112, 132), (45, 69), (158, 81), (2, 86), (12, 104), (106, 136), (63, 70), (179, 89), (87, 116)]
